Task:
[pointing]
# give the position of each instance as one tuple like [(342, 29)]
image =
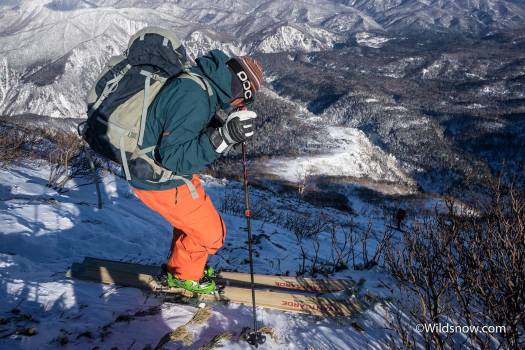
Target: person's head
[(247, 78)]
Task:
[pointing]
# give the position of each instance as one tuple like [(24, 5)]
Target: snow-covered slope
[(43, 232), (370, 39), (464, 16), (290, 38), (353, 155)]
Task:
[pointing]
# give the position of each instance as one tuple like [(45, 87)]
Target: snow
[(371, 40), (51, 52), (200, 42), (43, 232), (475, 106), (289, 38), (352, 21), (396, 108), (353, 155)]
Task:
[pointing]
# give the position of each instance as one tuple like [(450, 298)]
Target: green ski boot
[(209, 272), (206, 285)]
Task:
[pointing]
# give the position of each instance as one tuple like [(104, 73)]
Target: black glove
[(237, 128)]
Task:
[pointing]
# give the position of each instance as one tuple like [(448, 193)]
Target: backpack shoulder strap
[(200, 80)]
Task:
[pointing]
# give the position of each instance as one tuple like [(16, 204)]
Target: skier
[(181, 124), (401, 214)]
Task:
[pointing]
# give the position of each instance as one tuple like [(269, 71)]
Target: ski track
[(42, 232)]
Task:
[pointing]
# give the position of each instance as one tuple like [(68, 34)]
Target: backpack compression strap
[(111, 86), (165, 174)]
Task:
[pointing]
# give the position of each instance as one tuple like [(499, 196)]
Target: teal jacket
[(179, 116)]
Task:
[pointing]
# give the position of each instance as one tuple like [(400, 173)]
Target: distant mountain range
[(356, 63), (60, 45)]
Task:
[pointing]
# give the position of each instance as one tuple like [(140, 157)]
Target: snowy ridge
[(64, 24), (290, 38), (201, 41)]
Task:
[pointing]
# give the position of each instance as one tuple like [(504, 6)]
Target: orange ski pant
[(198, 229)]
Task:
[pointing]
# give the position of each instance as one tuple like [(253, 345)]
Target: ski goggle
[(247, 93), (241, 86)]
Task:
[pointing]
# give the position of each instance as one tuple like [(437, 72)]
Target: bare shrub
[(343, 250), (64, 159), (15, 143), (304, 177), (62, 149), (467, 268), (305, 228), (316, 243), (420, 265), (381, 241), (487, 261), (231, 203)]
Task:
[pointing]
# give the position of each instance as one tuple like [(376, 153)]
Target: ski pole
[(255, 337)]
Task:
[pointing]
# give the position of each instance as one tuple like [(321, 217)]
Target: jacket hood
[(213, 67)]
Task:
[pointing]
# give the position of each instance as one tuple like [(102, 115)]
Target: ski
[(287, 282), (276, 282), (269, 295)]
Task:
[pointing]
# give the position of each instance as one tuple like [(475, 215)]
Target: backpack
[(119, 100)]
